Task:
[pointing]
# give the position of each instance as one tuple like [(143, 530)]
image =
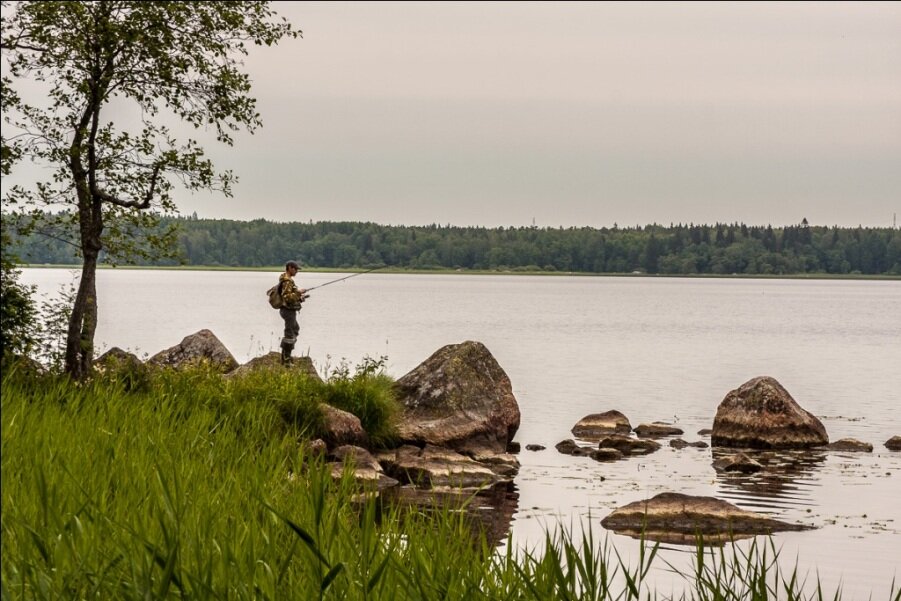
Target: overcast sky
[(574, 114)]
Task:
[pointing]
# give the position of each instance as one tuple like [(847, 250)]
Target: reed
[(191, 486)]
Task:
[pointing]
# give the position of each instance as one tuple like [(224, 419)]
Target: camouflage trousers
[(292, 328)]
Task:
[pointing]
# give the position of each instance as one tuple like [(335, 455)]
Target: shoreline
[(512, 272)]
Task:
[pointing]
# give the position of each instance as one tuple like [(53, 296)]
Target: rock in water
[(893, 443), (200, 347), (678, 518), (657, 430), (850, 444), (596, 425), (762, 414), (458, 398)]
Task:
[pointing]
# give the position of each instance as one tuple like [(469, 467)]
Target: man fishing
[(292, 298)]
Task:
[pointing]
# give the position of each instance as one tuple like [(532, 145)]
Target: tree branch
[(129, 204)]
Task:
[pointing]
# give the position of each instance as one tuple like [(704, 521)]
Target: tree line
[(720, 248)]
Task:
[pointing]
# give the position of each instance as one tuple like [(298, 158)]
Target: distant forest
[(675, 249)]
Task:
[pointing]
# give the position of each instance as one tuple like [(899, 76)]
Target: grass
[(186, 485)]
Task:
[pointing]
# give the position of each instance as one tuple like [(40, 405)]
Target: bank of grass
[(185, 485)]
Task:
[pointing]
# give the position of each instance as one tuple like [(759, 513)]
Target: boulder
[(436, 467), (597, 425), (739, 462), (628, 445), (364, 467), (272, 361), (535, 447), (678, 518), (200, 347), (458, 398), (341, 427), (116, 358), (678, 443), (606, 454), (893, 443), (762, 414), (657, 430), (850, 444)]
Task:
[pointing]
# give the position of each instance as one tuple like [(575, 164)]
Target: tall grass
[(186, 485)]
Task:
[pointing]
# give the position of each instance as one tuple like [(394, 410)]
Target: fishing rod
[(347, 277)]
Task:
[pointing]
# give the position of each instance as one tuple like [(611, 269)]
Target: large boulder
[(200, 347), (678, 518), (458, 398), (273, 361), (762, 414), (596, 425)]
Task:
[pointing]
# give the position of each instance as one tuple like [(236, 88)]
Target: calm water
[(655, 349)]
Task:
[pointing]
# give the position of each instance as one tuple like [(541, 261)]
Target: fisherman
[(292, 297)]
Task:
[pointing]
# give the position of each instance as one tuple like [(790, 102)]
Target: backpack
[(275, 296)]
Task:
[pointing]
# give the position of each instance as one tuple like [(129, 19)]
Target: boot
[(286, 354)]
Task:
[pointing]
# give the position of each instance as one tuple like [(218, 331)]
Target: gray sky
[(574, 114)]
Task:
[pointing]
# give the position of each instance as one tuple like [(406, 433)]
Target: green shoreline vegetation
[(163, 484), (726, 250)]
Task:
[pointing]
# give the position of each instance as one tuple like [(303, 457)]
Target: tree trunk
[(83, 321)]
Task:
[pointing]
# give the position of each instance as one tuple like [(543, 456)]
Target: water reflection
[(788, 479)]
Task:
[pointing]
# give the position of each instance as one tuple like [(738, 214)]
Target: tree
[(158, 58)]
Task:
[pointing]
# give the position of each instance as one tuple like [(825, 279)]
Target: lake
[(665, 349)]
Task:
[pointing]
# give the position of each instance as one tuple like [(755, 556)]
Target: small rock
[(627, 445), (678, 443), (582, 452), (436, 467), (317, 448), (657, 430), (893, 443), (739, 462), (566, 446), (850, 444), (599, 424), (705, 432), (606, 454), (535, 447), (342, 427), (513, 447)]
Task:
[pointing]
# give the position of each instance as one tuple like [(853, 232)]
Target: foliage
[(18, 314), (191, 488), (93, 59), (675, 249)]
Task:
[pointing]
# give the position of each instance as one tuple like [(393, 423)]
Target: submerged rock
[(739, 462), (893, 443), (627, 445), (678, 443), (458, 398), (850, 444), (198, 348), (535, 447), (567, 446), (678, 518), (657, 430), (596, 425), (762, 414), (606, 454)]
